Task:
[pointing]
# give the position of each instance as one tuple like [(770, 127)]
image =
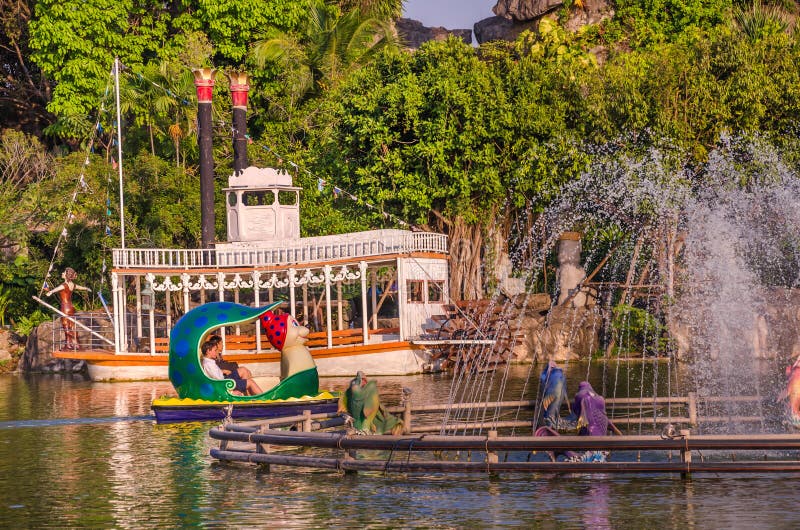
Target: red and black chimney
[(239, 89), (204, 82)]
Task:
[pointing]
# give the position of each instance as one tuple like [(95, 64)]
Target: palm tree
[(380, 9), (760, 21), (161, 98), (328, 48)]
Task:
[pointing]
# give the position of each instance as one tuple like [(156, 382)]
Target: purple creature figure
[(792, 395), (549, 431), (590, 407)]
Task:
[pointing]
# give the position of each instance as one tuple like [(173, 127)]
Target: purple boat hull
[(240, 411)]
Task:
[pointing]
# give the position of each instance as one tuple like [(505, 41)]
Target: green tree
[(380, 9), (74, 43), (24, 92), (328, 48), (422, 136)]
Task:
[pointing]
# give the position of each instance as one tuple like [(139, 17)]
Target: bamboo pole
[(407, 417), (686, 453), (426, 442), (692, 408), (349, 465), (491, 456), (64, 315)]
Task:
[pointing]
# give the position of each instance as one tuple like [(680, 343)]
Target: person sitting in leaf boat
[(65, 291), (229, 367), (210, 353)]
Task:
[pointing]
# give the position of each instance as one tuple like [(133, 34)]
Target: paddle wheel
[(474, 335)]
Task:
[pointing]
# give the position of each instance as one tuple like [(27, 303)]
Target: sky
[(451, 14)]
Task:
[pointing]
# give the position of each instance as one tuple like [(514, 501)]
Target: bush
[(26, 324), (638, 331)]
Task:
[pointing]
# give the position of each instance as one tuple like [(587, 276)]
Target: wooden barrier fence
[(257, 441)]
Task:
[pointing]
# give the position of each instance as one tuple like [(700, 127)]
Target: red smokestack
[(239, 89), (204, 81)]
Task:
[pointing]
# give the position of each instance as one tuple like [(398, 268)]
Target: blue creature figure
[(554, 394)]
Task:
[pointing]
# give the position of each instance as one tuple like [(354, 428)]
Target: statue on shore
[(361, 402), (65, 291)]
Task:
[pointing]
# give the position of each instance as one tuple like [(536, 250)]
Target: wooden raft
[(325, 444)]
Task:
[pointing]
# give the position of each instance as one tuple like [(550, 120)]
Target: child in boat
[(243, 386), (229, 367)]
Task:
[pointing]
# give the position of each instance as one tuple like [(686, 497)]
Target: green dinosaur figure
[(362, 402)]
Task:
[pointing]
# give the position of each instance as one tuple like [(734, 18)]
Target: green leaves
[(328, 47), (75, 43)]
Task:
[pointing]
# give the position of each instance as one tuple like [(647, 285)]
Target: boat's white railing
[(343, 246)]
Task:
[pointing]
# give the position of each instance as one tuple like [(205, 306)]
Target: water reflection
[(595, 505), (132, 473)]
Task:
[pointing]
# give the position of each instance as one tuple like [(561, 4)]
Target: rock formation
[(569, 333), (774, 333), (499, 28), (414, 34), (524, 10), (515, 16), (38, 357)]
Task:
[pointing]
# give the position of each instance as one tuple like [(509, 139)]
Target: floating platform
[(323, 441)]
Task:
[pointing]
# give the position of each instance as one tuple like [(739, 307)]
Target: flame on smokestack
[(239, 89)]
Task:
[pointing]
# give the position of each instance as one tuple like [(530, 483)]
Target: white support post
[(401, 299), (152, 315), (328, 318), (374, 299), (362, 265), (115, 301), (138, 308), (236, 300), (221, 298), (305, 304), (168, 304), (339, 304), (185, 278), (123, 335), (257, 301)]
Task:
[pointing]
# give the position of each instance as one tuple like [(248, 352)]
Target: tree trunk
[(465, 260)]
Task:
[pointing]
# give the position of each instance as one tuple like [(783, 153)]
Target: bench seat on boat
[(316, 339)]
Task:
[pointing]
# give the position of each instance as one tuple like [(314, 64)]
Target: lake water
[(79, 454)]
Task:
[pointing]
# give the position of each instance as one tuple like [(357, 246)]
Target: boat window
[(415, 290), (232, 199), (258, 198), (287, 198), (435, 291)]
